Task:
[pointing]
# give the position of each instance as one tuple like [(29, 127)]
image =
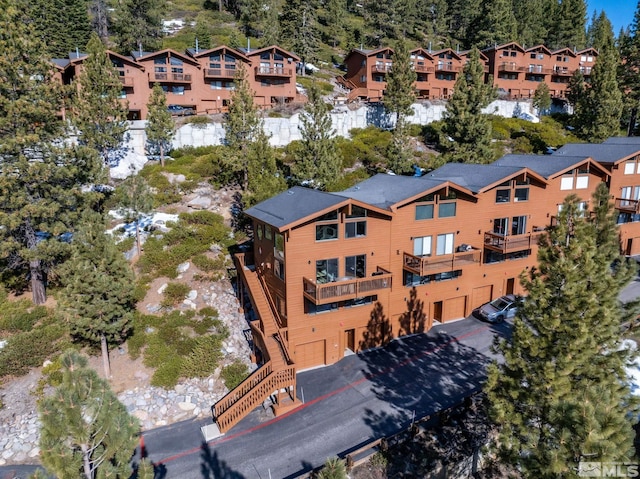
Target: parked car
[(498, 310), (179, 110)]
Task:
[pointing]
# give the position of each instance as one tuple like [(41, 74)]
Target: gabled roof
[(127, 59), (421, 51), (480, 178), (389, 192), (565, 50), (515, 45), (139, 56), (548, 166), (539, 48), (286, 53), (588, 50), (367, 53), (447, 50), (465, 53), (205, 53), (60, 63), (606, 153)]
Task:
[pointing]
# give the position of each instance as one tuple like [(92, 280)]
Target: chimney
[(197, 45)]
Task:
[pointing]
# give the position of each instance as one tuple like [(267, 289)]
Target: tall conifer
[(160, 125)]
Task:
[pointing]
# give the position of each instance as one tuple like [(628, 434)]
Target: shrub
[(234, 374), (21, 316), (203, 359), (334, 468), (198, 121), (29, 349), (206, 264), (174, 294), (167, 374)]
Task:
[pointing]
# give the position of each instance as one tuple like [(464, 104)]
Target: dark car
[(179, 110), (498, 310)]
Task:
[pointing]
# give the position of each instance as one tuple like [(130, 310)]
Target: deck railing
[(219, 73), (511, 67), (626, 205), (346, 288), (273, 71), (170, 77), (510, 243), (424, 265)]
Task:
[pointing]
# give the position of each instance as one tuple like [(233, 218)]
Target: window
[(422, 246), (278, 268), (518, 225), (229, 58), (123, 94), (446, 210), (629, 167), (444, 244), (514, 54), (582, 182), (355, 266), (503, 196), (268, 233), (566, 182), (424, 212), (500, 226), (327, 227), (532, 55), (279, 246), (521, 194), (265, 56), (214, 58), (326, 270), (259, 230), (175, 61), (411, 279), (363, 78), (355, 229), (160, 61), (216, 85)]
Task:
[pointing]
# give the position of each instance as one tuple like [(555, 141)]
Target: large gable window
[(327, 226)]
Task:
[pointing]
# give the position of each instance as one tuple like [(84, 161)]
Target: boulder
[(200, 203)]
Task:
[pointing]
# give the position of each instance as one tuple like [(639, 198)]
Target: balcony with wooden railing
[(562, 71), (210, 73), (511, 67), (164, 77), (511, 243), (381, 67), (447, 67), (422, 68), (627, 206), (126, 81), (347, 287), (425, 265), (539, 70), (273, 71)]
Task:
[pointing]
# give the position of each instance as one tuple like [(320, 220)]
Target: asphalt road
[(362, 397)]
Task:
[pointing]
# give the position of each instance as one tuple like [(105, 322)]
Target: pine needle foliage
[(160, 125), (561, 395), (400, 92), (86, 432)]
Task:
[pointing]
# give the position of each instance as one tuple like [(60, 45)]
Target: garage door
[(309, 355), (480, 295), (454, 308)]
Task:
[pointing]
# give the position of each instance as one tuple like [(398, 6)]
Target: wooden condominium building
[(514, 70), (201, 81), (332, 273)]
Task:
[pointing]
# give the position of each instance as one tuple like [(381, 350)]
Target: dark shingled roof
[(61, 62), (623, 140), (544, 165), (473, 177), (385, 191), (602, 152), (293, 205)]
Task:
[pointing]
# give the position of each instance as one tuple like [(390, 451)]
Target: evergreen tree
[(137, 24), (568, 29), (464, 121), (400, 92), (97, 111), (334, 468), (495, 25), (542, 98), (576, 91), (531, 19), (99, 14), (399, 152), (203, 35), (561, 395), (390, 20), (271, 24), (97, 300), (629, 70), (335, 21), (135, 200), (160, 125), (264, 179), (463, 14), (242, 122), (86, 432), (299, 29), (319, 160), (599, 108), (40, 178), (61, 33)]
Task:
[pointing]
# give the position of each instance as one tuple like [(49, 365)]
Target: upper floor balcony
[(422, 68), (228, 73), (627, 206), (562, 71), (425, 265), (511, 243), (586, 70), (273, 71), (539, 69), (346, 287), (381, 67), (511, 67), (126, 81), (165, 77), (447, 67)]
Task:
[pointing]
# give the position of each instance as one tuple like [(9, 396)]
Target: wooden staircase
[(276, 378)]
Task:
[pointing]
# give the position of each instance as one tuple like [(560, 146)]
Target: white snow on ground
[(157, 220), (633, 371), (130, 164)]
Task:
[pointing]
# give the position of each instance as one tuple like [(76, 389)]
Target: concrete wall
[(285, 130)]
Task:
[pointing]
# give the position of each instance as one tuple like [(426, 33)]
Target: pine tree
[(203, 35), (319, 160), (137, 24), (61, 33), (97, 111), (264, 179), (399, 152), (629, 70), (542, 98), (299, 29), (568, 29), (135, 200), (271, 24), (495, 25), (400, 92), (336, 11), (464, 121), (531, 20), (599, 108), (242, 122), (99, 14), (97, 300), (160, 125), (86, 432), (334, 468), (561, 395), (40, 178)]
